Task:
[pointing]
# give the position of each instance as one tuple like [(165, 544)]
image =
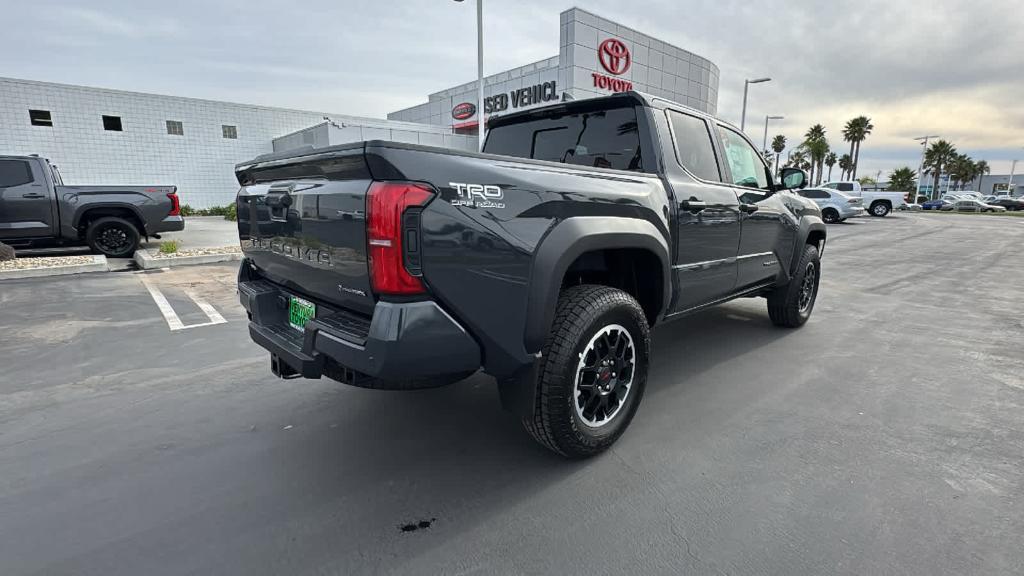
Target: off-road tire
[(784, 303), (97, 228), (583, 311)]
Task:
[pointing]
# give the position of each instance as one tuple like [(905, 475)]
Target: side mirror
[(792, 179)]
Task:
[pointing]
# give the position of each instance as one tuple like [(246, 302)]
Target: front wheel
[(791, 305), (593, 371), (112, 236)]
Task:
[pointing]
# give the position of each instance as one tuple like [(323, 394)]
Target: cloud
[(913, 66)]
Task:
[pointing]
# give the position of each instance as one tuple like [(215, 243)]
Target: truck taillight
[(175, 204), (385, 204)]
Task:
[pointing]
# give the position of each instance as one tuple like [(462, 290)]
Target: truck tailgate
[(302, 223)]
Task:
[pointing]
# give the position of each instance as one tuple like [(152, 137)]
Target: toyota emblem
[(614, 56)]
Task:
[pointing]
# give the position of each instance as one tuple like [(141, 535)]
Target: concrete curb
[(98, 264), (148, 262)]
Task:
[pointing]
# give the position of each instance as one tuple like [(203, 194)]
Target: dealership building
[(101, 136)]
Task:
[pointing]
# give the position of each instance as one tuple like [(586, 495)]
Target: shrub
[(230, 213), (187, 210), (6, 252), (169, 247)]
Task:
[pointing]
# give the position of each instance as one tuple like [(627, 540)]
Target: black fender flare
[(569, 239), (82, 210), (808, 225)]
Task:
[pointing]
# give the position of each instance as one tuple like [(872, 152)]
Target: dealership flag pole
[(481, 121)]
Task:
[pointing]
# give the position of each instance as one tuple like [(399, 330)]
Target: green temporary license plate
[(299, 312)]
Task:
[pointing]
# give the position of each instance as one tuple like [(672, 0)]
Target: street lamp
[(764, 145), (479, 73), (920, 167), (746, 86)]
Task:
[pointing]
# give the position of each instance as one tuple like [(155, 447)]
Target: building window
[(229, 131), (40, 118), (112, 123), (175, 127)]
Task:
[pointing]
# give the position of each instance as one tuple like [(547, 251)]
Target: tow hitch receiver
[(282, 369)]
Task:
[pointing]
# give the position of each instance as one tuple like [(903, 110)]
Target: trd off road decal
[(477, 195)]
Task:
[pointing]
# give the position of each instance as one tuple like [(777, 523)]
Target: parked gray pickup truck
[(37, 209)]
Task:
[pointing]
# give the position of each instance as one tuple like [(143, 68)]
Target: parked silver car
[(835, 205), (971, 206)]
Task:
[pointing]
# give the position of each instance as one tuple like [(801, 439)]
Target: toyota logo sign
[(614, 56), (463, 111)]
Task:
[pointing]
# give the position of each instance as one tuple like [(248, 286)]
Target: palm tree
[(855, 132), (961, 169), (845, 164), (980, 169), (903, 180), (778, 145), (936, 158), (817, 148), (830, 161)]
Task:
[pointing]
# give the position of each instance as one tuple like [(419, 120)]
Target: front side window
[(600, 139), (694, 147), (14, 173), (747, 167), (844, 187)]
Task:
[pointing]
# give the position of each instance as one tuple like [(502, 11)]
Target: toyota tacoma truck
[(37, 209), (544, 260)]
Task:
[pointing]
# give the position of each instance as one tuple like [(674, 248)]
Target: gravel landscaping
[(44, 262)]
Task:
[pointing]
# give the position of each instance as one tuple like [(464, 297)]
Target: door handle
[(32, 195), (749, 208), (693, 205)]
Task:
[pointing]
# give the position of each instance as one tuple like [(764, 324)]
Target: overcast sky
[(916, 67)]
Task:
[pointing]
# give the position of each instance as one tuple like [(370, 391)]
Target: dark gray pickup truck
[(37, 209), (543, 261)]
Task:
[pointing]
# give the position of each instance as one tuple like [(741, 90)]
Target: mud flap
[(518, 391)]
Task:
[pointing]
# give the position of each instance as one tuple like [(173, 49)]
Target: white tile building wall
[(200, 162), (346, 129)]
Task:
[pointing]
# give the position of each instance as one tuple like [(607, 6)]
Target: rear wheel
[(112, 236), (830, 216), (593, 371), (880, 209), (791, 305)]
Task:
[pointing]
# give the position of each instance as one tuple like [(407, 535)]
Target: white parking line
[(173, 321), (210, 311)]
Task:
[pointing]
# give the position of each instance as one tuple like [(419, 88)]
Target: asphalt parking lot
[(884, 437)]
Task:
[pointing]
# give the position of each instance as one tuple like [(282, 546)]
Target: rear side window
[(844, 187), (14, 173), (817, 194), (600, 139), (694, 147)]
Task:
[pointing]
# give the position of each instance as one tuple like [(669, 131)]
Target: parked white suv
[(835, 206), (877, 203)]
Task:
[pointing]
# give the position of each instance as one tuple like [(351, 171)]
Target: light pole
[(481, 123), (746, 86), (920, 167), (1009, 185), (764, 145)]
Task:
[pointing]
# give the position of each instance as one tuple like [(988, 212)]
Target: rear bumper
[(852, 212), (168, 224), (401, 342)]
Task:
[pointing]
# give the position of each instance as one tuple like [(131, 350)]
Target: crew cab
[(544, 261), (877, 203), (37, 209)]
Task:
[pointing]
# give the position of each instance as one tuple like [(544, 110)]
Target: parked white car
[(835, 206), (877, 203)]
